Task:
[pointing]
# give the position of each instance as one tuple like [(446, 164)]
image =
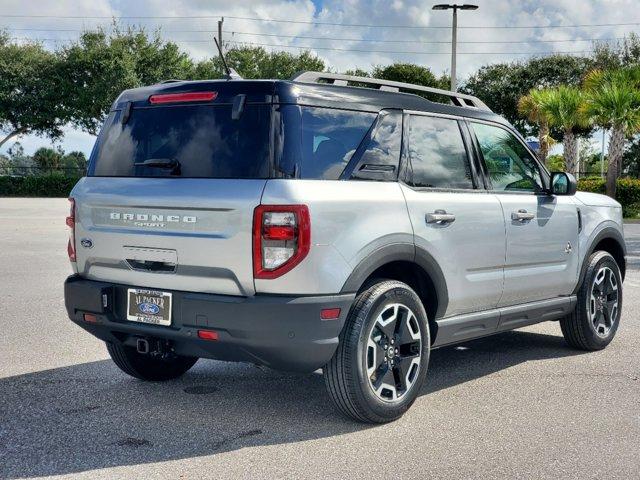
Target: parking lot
[(517, 405)]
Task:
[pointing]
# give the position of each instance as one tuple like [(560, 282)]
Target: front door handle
[(522, 216), (440, 217)]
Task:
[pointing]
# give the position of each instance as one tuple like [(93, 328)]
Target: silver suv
[(329, 222)]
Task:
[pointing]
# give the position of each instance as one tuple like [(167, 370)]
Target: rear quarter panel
[(349, 220)]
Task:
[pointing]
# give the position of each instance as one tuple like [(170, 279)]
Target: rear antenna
[(231, 73)]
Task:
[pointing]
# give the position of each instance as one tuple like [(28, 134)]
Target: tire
[(362, 383), (147, 367), (594, 322)]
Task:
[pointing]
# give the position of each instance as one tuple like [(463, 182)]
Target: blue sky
[(422, 38)]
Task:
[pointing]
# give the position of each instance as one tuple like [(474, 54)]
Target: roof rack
[(457, 99)]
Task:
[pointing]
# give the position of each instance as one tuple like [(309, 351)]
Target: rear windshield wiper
[(164, 163)]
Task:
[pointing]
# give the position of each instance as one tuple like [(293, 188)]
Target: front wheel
[(594, 322), (381, 362)]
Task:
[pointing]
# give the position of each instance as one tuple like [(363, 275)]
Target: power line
[(306, 22), (422, 42), (401, 52), (351, 39), (302, 47)]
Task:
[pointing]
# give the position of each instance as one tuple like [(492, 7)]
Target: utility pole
[(220, 22), (454, 35)]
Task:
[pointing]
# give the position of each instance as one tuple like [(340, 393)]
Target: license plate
[(149, 306)]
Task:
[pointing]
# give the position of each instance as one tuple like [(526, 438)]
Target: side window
[(380, 159), (510, 165), (329, 139), (437, 155)]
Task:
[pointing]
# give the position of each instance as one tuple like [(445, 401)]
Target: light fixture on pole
[(454, 34)]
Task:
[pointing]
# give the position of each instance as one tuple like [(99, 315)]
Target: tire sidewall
[(596, 262), (402, 294)]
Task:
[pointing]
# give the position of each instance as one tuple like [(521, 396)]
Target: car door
[(542, 229), (455, 221)]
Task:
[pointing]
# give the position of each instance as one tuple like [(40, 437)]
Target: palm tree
[(613, 101), (530, 106), (563, 108)]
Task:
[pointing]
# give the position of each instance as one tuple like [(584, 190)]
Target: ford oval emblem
[(149, 308), (86, 243)]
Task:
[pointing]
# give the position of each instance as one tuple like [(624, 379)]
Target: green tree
[(631, 158), (623, 53), (563, 108), (21, 164), (74, 160), (501, 85), (555, 163), (30, 91), (48, 159), (613, 101), (531, 106), (256, 62), (100, 65), (5, 165), (410, 73)]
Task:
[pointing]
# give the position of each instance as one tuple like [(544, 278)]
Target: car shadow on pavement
[(91, 416)]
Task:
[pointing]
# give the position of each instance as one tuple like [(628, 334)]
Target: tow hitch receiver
[(155, 347), (142, 345)]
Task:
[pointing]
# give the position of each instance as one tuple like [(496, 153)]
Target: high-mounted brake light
[(281, 239), (71, 223), (183, 97)]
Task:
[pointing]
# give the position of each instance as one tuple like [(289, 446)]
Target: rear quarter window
[(317, 143)]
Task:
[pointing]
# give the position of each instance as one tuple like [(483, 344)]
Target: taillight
[(71, 223), (183, 97), (281, 239)]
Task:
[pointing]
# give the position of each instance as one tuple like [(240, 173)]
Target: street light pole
[(454, 34), (454, 48)]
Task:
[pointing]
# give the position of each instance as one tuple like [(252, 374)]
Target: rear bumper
[(282, 332)]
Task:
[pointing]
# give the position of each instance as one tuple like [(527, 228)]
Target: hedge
[(628, 193), (52, 185)]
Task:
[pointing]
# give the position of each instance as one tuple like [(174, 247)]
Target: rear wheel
[(594, 322), (148, 367), (381, 363)]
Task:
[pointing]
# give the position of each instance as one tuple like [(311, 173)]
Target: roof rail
[(457, 99), (171, 80)]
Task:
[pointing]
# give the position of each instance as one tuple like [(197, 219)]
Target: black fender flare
[(605, 233), (395, 252)]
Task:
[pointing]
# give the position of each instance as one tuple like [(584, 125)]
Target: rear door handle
[(440, 217), (522, 216)]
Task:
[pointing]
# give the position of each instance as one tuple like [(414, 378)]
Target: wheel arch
[(411, 265), (610, 240)]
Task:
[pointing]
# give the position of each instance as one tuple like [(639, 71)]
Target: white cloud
[(414, 13)]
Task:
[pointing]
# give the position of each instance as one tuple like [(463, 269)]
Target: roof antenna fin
[(231, 73)]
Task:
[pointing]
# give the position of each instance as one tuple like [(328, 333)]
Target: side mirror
[(563, 183)]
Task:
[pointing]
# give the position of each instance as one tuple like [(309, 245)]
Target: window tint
[(437, 155), (510, 166), (382, 155), (202, 139), (319, 142)]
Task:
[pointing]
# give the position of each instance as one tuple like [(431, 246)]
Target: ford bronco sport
[(329, 222)]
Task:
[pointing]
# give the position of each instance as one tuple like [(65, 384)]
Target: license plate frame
[(153, 307)]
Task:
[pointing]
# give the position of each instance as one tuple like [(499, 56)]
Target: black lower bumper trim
[(282, 332)]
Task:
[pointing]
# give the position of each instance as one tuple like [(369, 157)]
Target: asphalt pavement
[(516, 405)]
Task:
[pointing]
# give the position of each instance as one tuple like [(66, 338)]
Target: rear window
[(321, 149), (200, 141)]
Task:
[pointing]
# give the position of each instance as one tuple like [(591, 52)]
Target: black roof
[(313, 94)]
